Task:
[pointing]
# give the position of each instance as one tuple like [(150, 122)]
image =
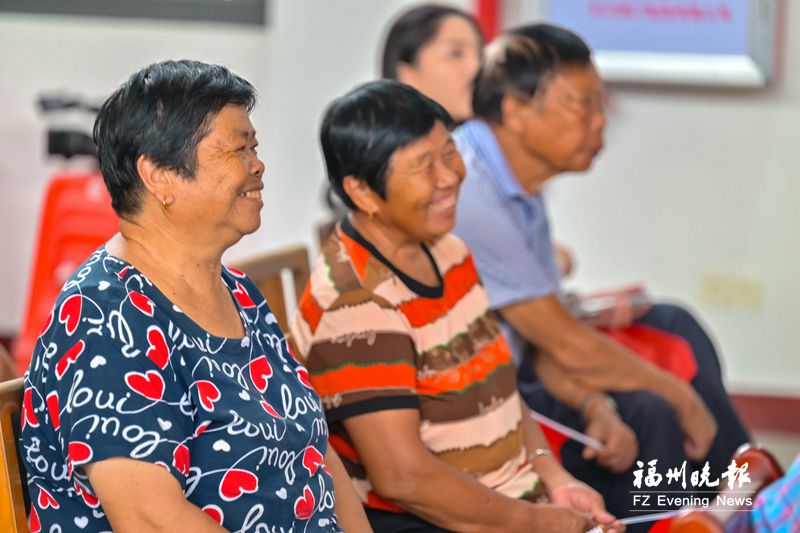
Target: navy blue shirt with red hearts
[(120, 371)]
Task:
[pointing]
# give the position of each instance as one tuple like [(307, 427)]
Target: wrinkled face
[(224, 199), (422, 187), (446, 67), (564, 126)]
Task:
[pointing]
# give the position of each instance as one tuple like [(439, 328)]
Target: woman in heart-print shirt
[(162, 395)]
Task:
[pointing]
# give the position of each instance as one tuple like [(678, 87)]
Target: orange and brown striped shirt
[(374, 339)]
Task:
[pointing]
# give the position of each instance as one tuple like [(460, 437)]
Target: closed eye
[(246, 147)]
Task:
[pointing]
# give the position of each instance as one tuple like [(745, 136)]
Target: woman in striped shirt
[(395, 328)]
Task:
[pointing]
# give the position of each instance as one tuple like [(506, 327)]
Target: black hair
[(412, 30), (363, 129), (521, 62), (162, 111)]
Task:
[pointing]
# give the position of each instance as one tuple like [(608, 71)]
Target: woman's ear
[(406, 73), (366, 199), (155, 179)]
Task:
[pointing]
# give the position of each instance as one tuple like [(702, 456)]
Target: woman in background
[(437, 50)]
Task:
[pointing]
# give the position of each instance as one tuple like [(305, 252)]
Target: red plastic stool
[(76, 219)]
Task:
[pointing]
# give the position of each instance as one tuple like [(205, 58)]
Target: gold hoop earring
[(164, 203), (370, 214)]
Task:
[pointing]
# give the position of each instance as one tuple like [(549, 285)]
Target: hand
[(564, 259), (699, 427), (579, 496), (605, 425), (622, 314), (624, 306)]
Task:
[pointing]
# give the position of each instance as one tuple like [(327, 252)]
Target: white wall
[(696, 182)]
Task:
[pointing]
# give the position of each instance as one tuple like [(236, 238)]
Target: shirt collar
[(483, 140)]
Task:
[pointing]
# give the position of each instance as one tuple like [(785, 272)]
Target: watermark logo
[(678, 487)]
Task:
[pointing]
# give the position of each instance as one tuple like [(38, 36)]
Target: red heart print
[(121, 273), (90, 500), (70, 312), (28, 416), (158, 352), (271, 410), (209, 393), (52, 408), (47, 323), (236, 272), (180, 459), (312, 460), (142, 303), (78, 453), (214, 512), (302, 375), (236, 482), (304, 506), (201, 428), (46, 499), (260, 372), (242, 297), (150, 384), (68, 358), (36, 526)]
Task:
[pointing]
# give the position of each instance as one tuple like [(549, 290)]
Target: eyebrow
[(459, 40), (239, 135)]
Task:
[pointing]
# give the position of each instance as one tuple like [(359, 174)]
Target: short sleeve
[(361, 358), (508, 266), (116, 392)]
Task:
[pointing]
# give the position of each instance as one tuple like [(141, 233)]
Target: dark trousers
[(731, 432), (651, 418)]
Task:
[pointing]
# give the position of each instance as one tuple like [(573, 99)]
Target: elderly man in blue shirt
[(539, 108)]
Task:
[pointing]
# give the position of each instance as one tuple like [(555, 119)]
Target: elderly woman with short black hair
[(161, 394), (415, 375)]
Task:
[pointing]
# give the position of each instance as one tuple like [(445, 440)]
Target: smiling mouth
[(443, 204), (255, 195)]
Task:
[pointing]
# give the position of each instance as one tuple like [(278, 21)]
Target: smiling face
[(446, 67), (223, 202), (422, 188), (563, 126)]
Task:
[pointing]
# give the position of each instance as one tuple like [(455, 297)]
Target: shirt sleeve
[(361, 358), (117, 393), (508, 266)]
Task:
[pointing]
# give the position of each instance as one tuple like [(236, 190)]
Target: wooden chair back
[(12, 502), (266, 269)]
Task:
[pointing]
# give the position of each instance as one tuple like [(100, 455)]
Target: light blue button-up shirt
[(507, 230)]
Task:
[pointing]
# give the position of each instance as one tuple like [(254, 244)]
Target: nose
[(448, 176), (257, 167), (599, 118)]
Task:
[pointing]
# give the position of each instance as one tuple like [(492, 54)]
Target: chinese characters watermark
[(702, 478)]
